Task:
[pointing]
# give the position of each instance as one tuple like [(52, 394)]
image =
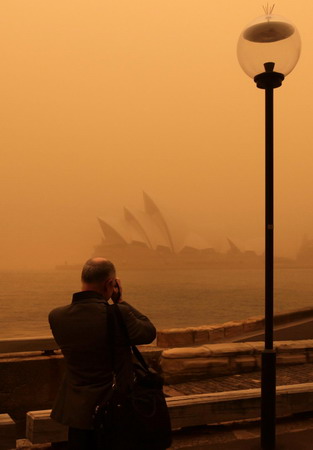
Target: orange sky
[(100, 100)]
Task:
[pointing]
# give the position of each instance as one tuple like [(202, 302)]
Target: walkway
[(293, 433), (302, 373)]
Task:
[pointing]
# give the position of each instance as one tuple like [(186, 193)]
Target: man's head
[(99, 275)]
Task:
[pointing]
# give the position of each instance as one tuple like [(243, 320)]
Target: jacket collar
[(86, 295)]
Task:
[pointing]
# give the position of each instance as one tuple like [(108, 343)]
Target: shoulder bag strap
[(123, 326), (111, 337)]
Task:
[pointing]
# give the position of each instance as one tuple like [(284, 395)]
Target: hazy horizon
[(102, 100)]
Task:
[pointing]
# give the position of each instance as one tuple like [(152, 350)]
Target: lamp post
[(268, 49)]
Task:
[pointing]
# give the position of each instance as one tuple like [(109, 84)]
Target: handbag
[(139, 419)]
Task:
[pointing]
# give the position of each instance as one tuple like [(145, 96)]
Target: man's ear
[(108, 282)]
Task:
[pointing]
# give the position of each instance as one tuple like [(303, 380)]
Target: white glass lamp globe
[(269, 38)]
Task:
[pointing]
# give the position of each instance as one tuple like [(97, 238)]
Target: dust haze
[(102, 100)]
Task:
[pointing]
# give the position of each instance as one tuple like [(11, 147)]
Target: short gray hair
[(97, 269)]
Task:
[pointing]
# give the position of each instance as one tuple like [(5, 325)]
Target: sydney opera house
[(152, 237)]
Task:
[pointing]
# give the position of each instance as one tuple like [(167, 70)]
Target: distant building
[(151, 228), (152, 237)]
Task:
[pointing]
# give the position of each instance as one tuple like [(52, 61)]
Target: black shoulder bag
[(138, 420)]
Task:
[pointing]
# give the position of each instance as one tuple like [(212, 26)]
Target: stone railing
[(194, 363), (44, 344), (30, 380), (227, 332), (176, 337)]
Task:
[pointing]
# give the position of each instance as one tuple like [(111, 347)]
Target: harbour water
[(170, 298)]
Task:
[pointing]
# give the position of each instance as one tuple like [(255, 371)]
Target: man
[(80, 329)]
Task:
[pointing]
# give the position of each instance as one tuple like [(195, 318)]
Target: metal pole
[(269, 80), (268, 382)]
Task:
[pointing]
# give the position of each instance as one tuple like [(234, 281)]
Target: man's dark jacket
[(80, 330)]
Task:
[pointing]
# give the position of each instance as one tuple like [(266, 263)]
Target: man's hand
[(117, 291)]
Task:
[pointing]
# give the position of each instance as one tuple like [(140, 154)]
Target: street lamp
[(268, 50)]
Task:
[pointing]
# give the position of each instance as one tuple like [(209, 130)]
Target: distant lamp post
[(268, 50)]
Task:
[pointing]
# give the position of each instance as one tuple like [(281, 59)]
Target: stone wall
[(29, 381), (226, 332), (183, 337), (194, 363)]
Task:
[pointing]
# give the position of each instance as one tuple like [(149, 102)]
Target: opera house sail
[(152, 237)]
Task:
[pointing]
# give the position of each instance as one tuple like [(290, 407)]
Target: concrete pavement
[(293, 433), (296, 374)]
